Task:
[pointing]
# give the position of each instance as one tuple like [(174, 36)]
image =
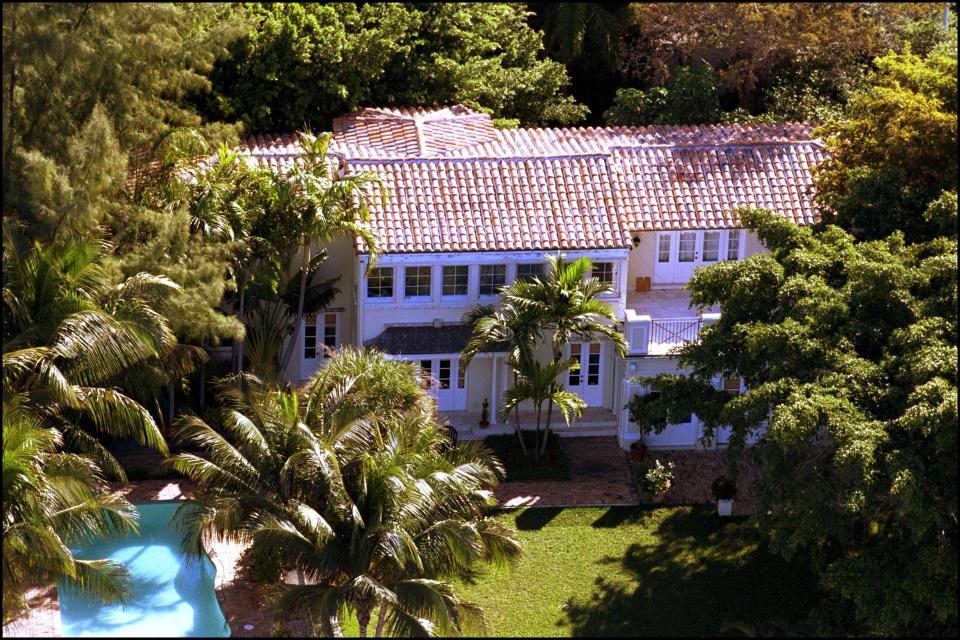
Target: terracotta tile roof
[(456, 183)]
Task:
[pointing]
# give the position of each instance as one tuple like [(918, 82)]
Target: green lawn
[(629, 571)]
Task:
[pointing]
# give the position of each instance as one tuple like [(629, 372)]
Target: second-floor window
[(492, 277), (603, 271), (417, 282), (526, 272), (711, 246), (380, 283), (323, 327), (455, 280), (733, 245)]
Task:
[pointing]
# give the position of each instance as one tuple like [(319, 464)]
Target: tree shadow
[(536, 518), (617, 516), (699, 575)]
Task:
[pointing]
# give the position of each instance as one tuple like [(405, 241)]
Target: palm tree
[(505, 325), (569, 25), (565, 303), (324, 204), (52, 500), (71, 336), (538, 383), (370, 506)]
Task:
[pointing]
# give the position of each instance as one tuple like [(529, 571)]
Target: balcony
[(659, 321)]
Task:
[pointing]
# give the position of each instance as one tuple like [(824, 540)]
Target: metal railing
[(674, 330)]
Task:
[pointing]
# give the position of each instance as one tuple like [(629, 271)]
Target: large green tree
[(849, 354), (304, 64), (893, 157)]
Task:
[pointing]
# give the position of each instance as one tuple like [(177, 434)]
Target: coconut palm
[(52, 500), (370, 506), (71, 336), (323, 204)]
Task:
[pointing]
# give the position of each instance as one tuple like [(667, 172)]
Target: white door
[(664, 261), (448, 383), (688, 255), (587, 381), (320, 332)]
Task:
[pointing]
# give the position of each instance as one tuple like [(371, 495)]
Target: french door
[(448, 382), (678, 253), (587, 381)]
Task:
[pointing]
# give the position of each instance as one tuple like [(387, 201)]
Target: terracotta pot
[(638, 453)]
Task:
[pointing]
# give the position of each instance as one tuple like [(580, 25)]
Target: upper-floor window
[(733, 245), (455, 280), (603, 271), (529, 271), (732, 386), (663, 248), (711, 246), (380, 283), (492, 277), (417, 282)]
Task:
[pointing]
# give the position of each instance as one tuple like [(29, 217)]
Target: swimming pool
[(173, 594)]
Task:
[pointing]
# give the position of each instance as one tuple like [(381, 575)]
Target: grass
[(630, 571), (553, 465)]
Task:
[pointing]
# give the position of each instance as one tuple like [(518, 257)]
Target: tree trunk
[(381, 619), (536, 440), (238, 344), (11, 47), (171, 397), (516, 417), (304, 265), (335, 626), (546, 435), (363, 617)]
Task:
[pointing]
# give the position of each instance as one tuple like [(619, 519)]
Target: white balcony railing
[(659, 336)]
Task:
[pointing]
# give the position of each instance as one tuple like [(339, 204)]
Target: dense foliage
[(357, 484), (849, 353), (304, 64)]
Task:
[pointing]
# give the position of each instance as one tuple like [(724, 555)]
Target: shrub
[(723, 488), (656, 479), (553, 464), (263, 563)]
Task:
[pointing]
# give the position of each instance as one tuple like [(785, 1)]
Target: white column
[(493, 389)]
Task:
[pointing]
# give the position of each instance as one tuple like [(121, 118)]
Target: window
[(492, 277), (310, 337), (443, 374), (426, 372), (603, 271), (330, 330), (593, 364), (380, 283), (732, 386), (687, 247), (417, 282), (455, 280), (733, 245), (663, 248), (461, 376), (529, 271), (573, 376), (711, 246)]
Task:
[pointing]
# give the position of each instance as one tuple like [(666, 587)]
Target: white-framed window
[(733, 244), (732, 386), (492, 277), (443, 374), (330, 330), (380, 283), (663, 247), (417, 282), (456, 279), (529, 270), (711, 246), (426, 373), (574, 374), (604, 272), (310, 337), (687, 246)]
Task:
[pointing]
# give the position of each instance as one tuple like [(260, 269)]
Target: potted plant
[(485, 414), (638, 450), (724, 489), (655, 481)]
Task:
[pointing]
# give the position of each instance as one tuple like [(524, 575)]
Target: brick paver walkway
[(599, 475)]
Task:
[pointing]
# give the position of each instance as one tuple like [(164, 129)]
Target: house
[(470, 208)]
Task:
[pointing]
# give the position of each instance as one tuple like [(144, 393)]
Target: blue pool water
[(173, 594)]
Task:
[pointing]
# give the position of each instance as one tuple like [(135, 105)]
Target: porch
[(596, 421)]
